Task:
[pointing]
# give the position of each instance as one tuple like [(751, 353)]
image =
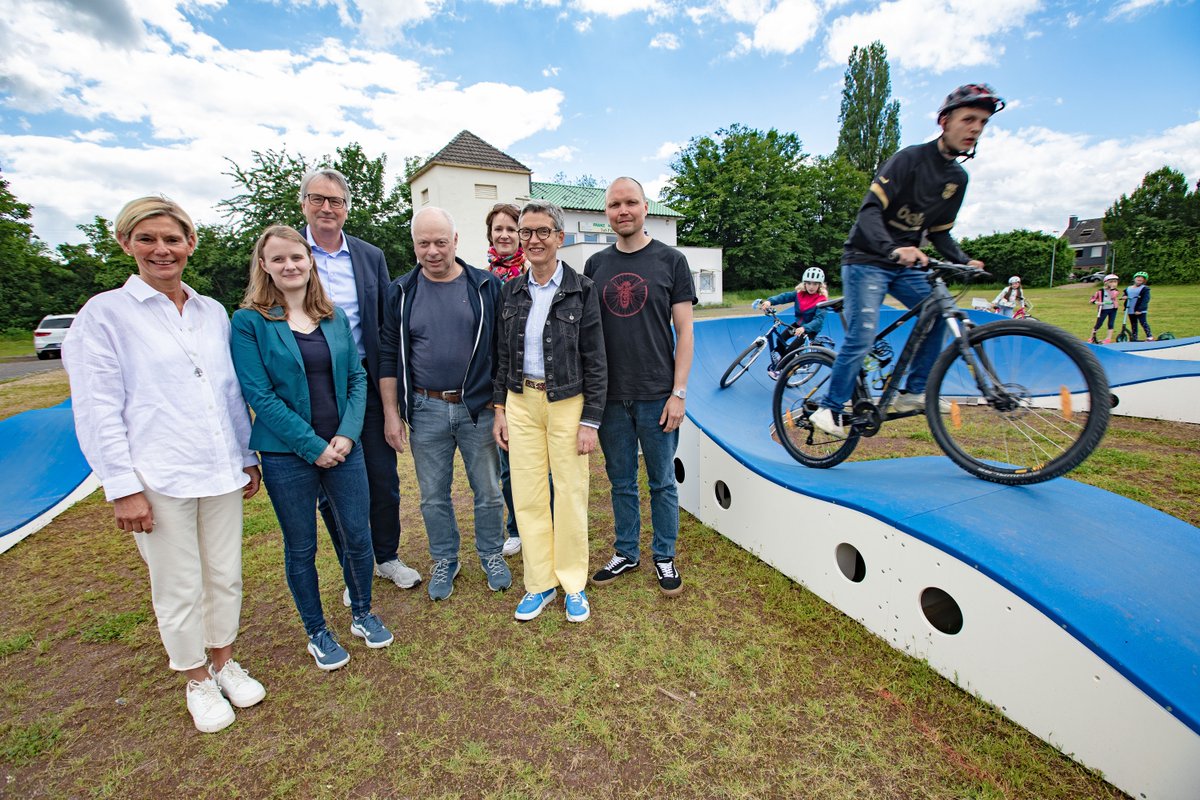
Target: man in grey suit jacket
[(355, 275)]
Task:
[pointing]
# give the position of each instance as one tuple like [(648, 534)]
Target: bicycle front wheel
[(804, 379), (1021, 406), (742, 363)]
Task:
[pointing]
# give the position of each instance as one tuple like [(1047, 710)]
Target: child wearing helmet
[(808, 293), (1137, 305), (1105, 300), (1011, 297)]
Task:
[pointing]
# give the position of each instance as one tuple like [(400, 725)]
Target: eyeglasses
[(319, 200), (525, 234)]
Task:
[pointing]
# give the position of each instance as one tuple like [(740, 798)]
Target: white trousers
[(194, 555)]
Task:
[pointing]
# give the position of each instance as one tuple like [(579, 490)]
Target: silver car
[(48, 338)]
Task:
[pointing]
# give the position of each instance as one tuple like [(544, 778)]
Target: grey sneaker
[(498, 575), (441, 578), (512, 546), (828, 421), (905, 402), (346, 597), (398, 573)]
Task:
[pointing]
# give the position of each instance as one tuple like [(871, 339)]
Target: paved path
[(30, 365)]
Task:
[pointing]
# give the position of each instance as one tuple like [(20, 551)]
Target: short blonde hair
[(264, 296), (143, 208)]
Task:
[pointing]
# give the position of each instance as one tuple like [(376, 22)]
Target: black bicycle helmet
[(979, 95)]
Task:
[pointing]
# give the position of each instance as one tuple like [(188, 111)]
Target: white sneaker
[(398, 573), (904, 402), (346, 597), (512, 546), (824, 419), (209, 709), (236, 684)]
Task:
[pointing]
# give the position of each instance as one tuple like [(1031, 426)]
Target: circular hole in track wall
[(941, 610), (678, 471), (850, 562), (722, 492)]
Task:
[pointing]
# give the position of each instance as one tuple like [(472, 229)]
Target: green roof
[(581, 198)]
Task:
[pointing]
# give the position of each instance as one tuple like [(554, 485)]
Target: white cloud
[(743, 44), (666, 150), (936, 35), (1036, 178), (95, 136), (787, 27), (619, 8), (584, 25), (1073, 19), (654, 187), (564, 153), (551, 72), (1132, 8), (665, 41)]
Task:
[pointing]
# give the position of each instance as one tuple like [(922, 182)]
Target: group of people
[(1137, 306), (523, 368)]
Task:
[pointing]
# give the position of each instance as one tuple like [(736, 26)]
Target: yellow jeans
[(542, 437)]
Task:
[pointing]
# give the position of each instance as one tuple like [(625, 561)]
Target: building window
[(1097, 252), (568, 239), (1079, 252), (707, 283), (485, 191), (424, 197)]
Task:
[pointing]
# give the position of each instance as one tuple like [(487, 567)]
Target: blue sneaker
[(441, 578), (532, 604), (578, 607), (499, 577), (370, 629), (328, 653)]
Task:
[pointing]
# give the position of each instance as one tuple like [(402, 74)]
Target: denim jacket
[(575, 362)]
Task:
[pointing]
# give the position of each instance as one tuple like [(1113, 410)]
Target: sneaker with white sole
[(398, 573), (533, 602), (326, 651), (578, 607), (237, 685), (441, 578), (512, 546), (905, 402), (617, 565), (346, 597), (499, 577), (209, 709), (829, 421), (371, 630), (669, 580)]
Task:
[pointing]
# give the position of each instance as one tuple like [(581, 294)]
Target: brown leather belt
[(448, 396), (539, 385)]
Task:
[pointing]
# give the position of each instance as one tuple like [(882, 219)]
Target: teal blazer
[(271, 371)]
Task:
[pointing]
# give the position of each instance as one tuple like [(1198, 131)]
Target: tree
[(32, 284), (1024, 253), (586, 181), (1157, 228), (743, 190), (869, 120), (837, 193)]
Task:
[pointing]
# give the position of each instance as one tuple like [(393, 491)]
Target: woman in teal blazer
[(299, 369)]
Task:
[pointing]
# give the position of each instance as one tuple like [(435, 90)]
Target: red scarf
[(506, 267)]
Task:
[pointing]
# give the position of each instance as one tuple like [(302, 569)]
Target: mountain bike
[(770, 340), (1026, 402)]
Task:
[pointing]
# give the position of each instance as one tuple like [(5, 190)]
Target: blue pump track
[(1120, 577), (41, 465)]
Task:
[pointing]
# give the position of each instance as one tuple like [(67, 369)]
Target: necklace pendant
[(199, 372)]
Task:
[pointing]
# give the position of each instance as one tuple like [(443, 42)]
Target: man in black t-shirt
[(645, 289), (917, 193)]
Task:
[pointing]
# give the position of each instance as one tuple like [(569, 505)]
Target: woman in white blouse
[(161, 420)]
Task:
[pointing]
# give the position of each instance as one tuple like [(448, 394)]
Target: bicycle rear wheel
[(1040, 421), (742, 363), (792, 406)]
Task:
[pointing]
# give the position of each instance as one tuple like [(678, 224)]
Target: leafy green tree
[(837, 193), (32, 284), (586, 181), (1024, 253), (1157, 228), (869, 119), (744, 190)]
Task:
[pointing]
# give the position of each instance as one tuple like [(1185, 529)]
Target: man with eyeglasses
[(437, 361), (646, 289), (355, 275)]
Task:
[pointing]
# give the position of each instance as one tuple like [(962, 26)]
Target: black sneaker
[(616, 565), (668, 576)]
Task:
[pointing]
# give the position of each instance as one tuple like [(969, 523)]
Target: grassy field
[(16, 344), (747, 686)]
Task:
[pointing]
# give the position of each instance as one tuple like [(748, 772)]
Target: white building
[(469, 176)]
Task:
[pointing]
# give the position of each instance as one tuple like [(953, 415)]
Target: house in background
[(468, 176), (1087, 239)]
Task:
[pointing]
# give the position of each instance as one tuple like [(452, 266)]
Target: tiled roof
[(1086, 231), (580, 198), (468, 150)]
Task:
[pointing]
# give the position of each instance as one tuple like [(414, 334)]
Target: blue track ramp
[(42, 469), (1116, 575)]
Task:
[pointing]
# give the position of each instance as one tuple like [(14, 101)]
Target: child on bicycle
[(1011, 298), (808, 293), (1137, 305), (1105, 299)]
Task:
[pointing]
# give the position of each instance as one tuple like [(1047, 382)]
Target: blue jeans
[(383, 485), (864, 287), (293, 484), (438, 428), (626, 424)]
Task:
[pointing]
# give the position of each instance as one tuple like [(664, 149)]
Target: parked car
[(1095, 277), (48, 338)]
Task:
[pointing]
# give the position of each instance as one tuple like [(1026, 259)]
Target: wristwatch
[(680, 393)]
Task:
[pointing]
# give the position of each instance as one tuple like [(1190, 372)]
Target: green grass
[(14, 344), (746, 686)]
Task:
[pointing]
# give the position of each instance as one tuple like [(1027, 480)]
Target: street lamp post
[(1053, 253)]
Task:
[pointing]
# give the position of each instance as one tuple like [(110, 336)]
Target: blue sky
[(105, 100)]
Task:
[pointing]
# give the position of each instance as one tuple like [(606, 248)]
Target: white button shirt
[(157, 403)]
